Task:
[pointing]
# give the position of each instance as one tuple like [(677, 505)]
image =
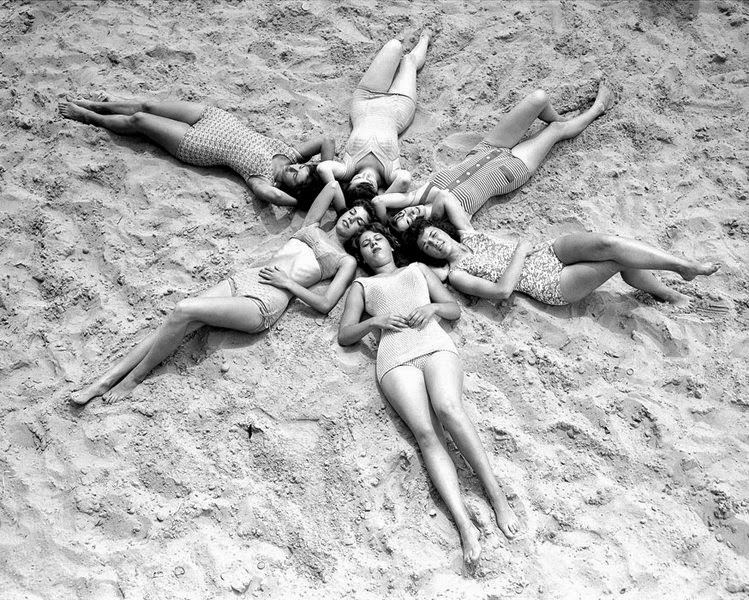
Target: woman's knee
[(425, 435), (183, 312), (138, 119), (606, 244), (450, 412), (394, 46), (538, 97), (148, 106)]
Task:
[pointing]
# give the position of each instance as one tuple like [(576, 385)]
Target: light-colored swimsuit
[(272, 301), (485, 172), (219, 138), (540, 277), (377, 119), (401, 293)]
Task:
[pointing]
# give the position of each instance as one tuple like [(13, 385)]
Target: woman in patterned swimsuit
[(254, 298), (557, 272), (207, 136), (383, 105), (498, 165), (420, 373)]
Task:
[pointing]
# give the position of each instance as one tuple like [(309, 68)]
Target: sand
[(270, 465)]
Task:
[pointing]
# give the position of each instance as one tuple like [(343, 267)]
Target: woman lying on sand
[(558, 272), (254, 298), (383, 106), (420, 373), (207, 136), (498, 165)]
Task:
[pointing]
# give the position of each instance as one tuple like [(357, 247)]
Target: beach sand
[(271, 465)]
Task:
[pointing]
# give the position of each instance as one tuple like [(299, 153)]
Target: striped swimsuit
[(219, 138), (485, 172)]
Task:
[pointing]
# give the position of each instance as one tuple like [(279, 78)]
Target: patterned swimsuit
[(219, 138), (485, 172), (540, 277)]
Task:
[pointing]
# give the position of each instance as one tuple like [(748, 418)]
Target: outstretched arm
[(324, 146), (352, 329), (330, 194), (503, 287), (322, 303)]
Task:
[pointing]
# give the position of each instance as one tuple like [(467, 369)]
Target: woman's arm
[(501, 289), (443, 304), (392, 201), (322, 303), (351, 329), (331, 169), (266, 192), (447, 205), (324, 146), (401, 181), (327, 196)]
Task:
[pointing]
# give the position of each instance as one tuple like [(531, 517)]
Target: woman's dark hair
[(359, 191), (411, 235), (305, 193), (368, 208), (352, 245)]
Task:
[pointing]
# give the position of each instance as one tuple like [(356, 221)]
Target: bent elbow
[(502, 294), (343, 339)]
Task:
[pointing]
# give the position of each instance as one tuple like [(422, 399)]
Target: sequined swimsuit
[(401, 293), (489, 258), (219, 138)]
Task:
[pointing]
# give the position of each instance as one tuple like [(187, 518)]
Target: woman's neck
[(386, 268)]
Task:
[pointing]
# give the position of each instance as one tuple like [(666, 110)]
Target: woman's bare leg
[(513, 124), (533, 151), (187, 112), (137, 354), (444, 382), (405, 389), (629, 253), (165, 132), (380, 73), (404, 81), (229, 312)]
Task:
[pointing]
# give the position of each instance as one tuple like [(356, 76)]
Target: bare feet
[(121, 391), (693, 268), (604, 99), (470, 539), (506, 518), (97, 388), (70, 110)]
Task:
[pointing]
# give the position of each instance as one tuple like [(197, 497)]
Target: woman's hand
[(526, 247), (390, 322), (274, 276), (421, 316)]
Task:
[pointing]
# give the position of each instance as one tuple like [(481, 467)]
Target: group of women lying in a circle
[(418, 367)]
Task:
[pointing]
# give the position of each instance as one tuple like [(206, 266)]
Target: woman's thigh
[(582, 278), (240, 313), (380, 73), (443, 376), (406, 391)]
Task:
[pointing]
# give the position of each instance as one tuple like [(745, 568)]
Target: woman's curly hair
[(410, 236), (352, 245), (362, 190)]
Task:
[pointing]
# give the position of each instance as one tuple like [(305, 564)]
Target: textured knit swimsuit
[(486, 171), (377, 118), (401, 293), (272, 301), (219, 138), (541, 275)]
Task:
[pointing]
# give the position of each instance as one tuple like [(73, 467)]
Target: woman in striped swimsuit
[(557, 272), (420, 372), (383, 105), (498, 165), (207, 136), (254, 297)]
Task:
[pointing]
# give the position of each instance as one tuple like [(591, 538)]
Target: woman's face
[(295, 176), (375, 249), (365, 176), (351, 222), (435, 243), (402, 220)]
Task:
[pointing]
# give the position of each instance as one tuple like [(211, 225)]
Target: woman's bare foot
[(110, 106), (506, 518), (70, 110), (97, 388), (121, 391), (604, 99), (694, 268), (470, 539)]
